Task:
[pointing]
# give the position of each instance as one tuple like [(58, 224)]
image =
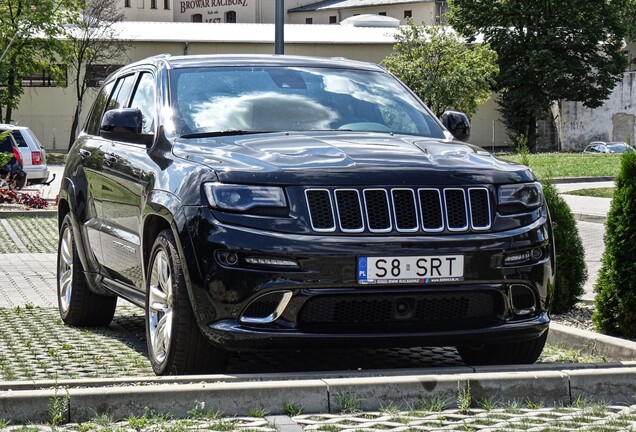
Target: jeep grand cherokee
[(269, 202)]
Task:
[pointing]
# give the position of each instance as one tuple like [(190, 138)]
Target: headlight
[(520, 198), (243, 197)]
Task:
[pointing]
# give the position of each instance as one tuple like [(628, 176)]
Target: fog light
[(271, 262), (517, 258), (227, 258), (537, 254)]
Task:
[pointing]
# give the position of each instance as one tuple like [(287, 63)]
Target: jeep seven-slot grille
[(380, 210)]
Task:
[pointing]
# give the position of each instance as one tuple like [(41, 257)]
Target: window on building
[(309, 20), (153, 4), (127, 3), (46, 77), (382, 13), (333, 19), (408, 14), (166, 4), (197, 18), (230, 17), (97, 73)]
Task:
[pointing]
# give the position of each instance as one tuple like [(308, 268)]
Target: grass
[(553, 165), (594, 192)]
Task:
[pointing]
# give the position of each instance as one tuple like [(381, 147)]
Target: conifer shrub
[(571, 272), (616, 285)]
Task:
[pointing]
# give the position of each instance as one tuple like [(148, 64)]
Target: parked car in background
[(619, 147), (33, 155), (263, 202), (596, 147), (12, 172), (608, 147)]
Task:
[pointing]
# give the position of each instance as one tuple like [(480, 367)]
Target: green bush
[(571, 272), (616, 285), (4, 157)]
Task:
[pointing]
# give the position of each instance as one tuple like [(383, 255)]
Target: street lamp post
[(279, 40)]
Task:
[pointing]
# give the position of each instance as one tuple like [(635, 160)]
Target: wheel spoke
[(160, 307), (65, 250), (65, 269), (66, 281)]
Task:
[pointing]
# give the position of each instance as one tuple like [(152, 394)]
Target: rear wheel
[(523, 352), (79, 306), (175, 343)]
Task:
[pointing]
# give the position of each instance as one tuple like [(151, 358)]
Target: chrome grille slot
[(378, 213), (349, 210), (456, 210), (479, 208), (320, 210), (405, 210), (401, 209)]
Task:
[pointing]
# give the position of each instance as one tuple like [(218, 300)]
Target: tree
[(548, 51), (29, 30), (441, 69), (93, 41), (616, 284)]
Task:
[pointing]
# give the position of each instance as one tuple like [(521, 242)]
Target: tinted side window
[(92, 124), (122, 91), (19, 138), (144, 99)]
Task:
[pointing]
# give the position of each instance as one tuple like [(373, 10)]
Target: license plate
[(410, 269)]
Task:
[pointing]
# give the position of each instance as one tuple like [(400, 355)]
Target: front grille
[(382, 312), (380, 210)]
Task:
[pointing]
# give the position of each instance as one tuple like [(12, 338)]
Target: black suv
[(263, 202)]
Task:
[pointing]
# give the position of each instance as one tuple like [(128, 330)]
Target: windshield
[(253, 99)]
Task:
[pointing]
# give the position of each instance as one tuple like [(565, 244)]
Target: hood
[(344, 158)]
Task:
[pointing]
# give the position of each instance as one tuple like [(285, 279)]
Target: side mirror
[(124, 124), (457, 123)]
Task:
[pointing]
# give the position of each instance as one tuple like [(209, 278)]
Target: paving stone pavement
[(34, 344)]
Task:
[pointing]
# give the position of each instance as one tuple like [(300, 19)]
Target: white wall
[(614, 121)]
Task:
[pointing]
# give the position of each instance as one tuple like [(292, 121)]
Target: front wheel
[(79, 306), (175, 343), (523, 352)]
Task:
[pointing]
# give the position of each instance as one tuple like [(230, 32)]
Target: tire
[(176, 345), (78, 305), (524, 352)]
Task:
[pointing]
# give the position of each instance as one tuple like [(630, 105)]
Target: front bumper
[(247, 296)]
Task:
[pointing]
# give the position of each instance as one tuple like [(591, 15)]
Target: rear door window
[(19, 138)]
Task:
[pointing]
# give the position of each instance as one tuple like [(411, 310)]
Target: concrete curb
[(591, 343), (594, 218), (581, 179), (27, 213), (321, 392), (549, 387)]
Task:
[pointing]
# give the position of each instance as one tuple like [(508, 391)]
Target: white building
[(297, 11)]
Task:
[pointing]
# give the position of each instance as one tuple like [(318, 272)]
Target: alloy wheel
[(160, 307), (65, 270)]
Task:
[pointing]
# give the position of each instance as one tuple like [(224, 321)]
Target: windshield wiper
[(228, 132)]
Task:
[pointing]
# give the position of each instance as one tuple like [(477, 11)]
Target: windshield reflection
[(217, 99)]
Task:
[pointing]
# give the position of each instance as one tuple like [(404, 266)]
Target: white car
[(33, 155)]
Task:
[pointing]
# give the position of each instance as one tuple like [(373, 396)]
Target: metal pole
[(279, 41)]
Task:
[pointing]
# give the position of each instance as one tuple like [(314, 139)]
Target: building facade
[(297, 11)]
